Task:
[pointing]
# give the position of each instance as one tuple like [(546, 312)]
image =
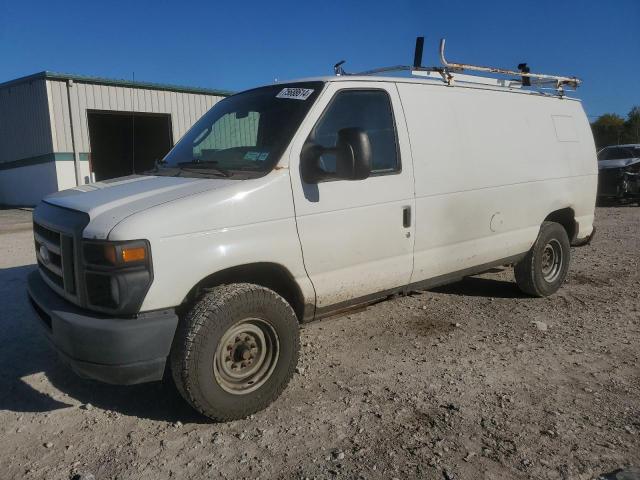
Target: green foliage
[(612, 129), (632, 126)]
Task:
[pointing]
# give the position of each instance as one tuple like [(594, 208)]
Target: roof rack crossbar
[(404, 68), (559, 80), (446, 72)]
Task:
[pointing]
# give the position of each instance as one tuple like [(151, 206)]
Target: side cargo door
[(356, 236)]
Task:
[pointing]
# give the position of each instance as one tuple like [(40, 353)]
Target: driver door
[(356, 235)]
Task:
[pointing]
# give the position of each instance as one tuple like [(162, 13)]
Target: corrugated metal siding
[(24, 121), (184, 108)]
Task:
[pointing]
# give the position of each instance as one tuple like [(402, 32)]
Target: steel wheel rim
[(551, 263), (246, 356)]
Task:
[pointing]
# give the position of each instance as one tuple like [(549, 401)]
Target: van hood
[(111, 201)]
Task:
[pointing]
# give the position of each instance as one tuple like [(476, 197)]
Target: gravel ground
[(15, 219), (472, 380)]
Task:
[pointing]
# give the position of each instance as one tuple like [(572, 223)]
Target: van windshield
[(243, 135)]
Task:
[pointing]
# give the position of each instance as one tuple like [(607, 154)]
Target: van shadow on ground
[(482, 287), (25, 351)]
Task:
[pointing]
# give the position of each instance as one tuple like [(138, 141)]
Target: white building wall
[(27, 168), (184, 108), (24, 121), (66, 173), (38, 118), (25, 186)]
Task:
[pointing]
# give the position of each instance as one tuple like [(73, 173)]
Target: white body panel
[(352, 233), (245, 222), (196, 227), (481, 169), (489, 167)]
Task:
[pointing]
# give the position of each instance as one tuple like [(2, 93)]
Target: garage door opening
[(124, 143)]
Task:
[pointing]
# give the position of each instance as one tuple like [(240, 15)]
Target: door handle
[(406, 217)]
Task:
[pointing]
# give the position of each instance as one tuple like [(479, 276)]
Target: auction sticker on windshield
[(295, 93)]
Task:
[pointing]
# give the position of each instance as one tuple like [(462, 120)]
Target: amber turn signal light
[(134, 254)]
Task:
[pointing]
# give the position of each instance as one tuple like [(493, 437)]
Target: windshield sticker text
[(295, 93)]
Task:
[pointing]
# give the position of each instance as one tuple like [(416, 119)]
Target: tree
[(608, 129), (632, 126)]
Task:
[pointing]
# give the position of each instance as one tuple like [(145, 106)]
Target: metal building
[(58, 131)]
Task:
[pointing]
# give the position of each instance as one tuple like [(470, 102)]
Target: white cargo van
[(292, 201)]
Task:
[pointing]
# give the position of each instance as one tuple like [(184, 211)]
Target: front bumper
[(121, 351)]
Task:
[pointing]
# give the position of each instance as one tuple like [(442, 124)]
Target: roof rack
[(451, 71)]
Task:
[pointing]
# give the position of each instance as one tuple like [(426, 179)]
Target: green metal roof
[(46, 75)]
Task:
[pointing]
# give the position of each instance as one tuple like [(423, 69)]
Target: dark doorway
[(124, 143)]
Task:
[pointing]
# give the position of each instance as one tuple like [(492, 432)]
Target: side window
[(369, 110)]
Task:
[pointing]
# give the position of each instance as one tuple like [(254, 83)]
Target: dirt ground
[(456, 383)]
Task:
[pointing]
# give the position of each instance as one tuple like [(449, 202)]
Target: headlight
[(117, 275), (116, 253)]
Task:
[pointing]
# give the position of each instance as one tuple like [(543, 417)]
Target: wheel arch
[(567, 218), (273, 276)]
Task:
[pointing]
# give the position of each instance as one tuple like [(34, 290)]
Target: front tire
[(235, 351), (543, 270)]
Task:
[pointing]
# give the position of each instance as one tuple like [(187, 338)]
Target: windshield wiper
[(160, 167), (210, 165)]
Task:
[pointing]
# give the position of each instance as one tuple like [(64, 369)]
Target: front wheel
[(235, 351), (543, 270)]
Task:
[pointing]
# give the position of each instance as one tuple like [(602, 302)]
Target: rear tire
[(235, 351), (543, 270)]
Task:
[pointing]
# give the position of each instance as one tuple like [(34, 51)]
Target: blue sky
[(236, 45)]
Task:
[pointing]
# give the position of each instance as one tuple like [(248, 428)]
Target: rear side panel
[(489, 167)]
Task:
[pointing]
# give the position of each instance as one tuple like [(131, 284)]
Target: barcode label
[(295, 93)]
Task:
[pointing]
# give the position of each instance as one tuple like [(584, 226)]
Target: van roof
[(427, 81)]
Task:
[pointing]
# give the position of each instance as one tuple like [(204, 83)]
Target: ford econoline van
[(293, 201)]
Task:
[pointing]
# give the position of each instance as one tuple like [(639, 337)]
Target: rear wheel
[(543, 270), (235, 351)]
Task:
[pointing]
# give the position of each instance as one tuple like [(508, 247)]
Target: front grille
[(51, 275), (46, 234), (55, 255)]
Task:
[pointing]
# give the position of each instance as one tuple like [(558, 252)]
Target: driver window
[(369, 110)]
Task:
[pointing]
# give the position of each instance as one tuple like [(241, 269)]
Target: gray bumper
[(113, 350)]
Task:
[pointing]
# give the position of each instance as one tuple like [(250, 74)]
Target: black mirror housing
[(353, 158), (353, 154)]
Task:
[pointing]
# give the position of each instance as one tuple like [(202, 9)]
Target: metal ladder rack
[(450, 72)]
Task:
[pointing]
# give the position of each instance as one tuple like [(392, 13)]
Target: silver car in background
[(619, 173)]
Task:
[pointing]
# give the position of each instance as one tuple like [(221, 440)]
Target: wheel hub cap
[(551, 261), (246, 356)]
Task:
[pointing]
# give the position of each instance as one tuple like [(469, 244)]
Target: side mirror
[(353, 154), (353, 158)]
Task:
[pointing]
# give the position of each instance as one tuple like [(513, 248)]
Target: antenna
[(338, 70)]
